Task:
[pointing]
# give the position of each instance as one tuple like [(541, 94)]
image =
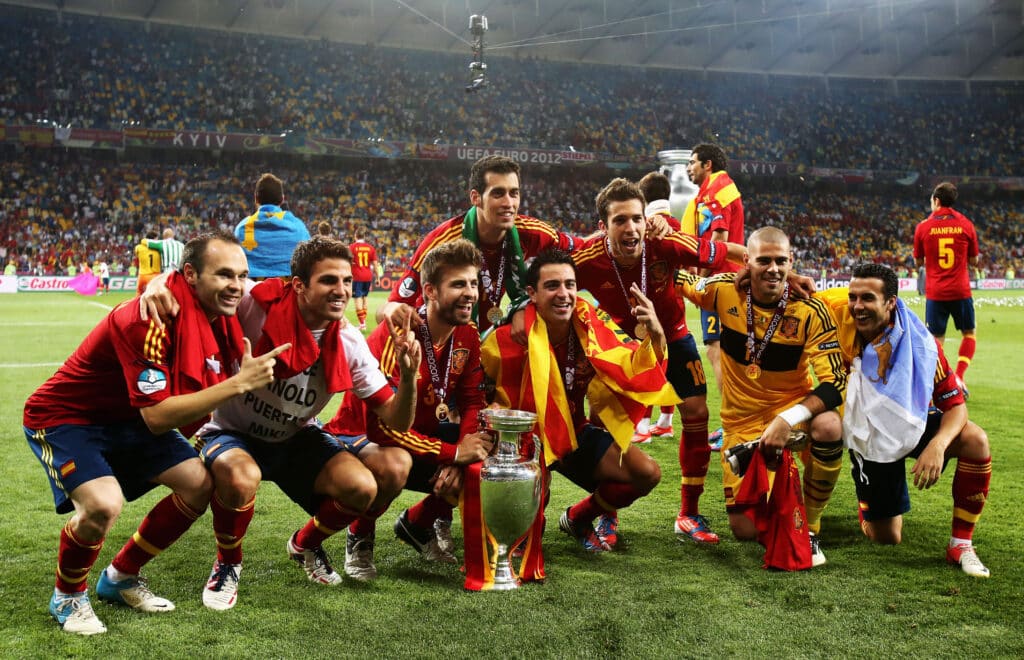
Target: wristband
[(795, 415)]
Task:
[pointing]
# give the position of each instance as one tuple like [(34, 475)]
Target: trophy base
[(505, 579)]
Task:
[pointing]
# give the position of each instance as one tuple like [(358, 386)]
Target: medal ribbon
[(618, 275), (428, 354), (569, 371), (516, 274), (494, 291), (756, 351)]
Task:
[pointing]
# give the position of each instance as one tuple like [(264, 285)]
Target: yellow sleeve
[(702, 291), (823, 349)]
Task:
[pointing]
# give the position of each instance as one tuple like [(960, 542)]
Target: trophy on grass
[(510, 487)]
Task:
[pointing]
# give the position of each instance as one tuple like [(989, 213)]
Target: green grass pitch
[(654, 597)]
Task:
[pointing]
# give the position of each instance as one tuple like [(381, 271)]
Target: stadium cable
[(427, 18), (891, 5)]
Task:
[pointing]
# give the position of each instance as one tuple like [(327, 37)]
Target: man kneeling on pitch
[(896, 372)]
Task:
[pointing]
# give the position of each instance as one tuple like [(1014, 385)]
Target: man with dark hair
[(364, 263), (896, 370), (272, 433), (770, 343), (946, 244), (449, 388), (716, 213), (505, 238), (657, 189), (575, 351), (103, 426), (624, 258), (271, 233)]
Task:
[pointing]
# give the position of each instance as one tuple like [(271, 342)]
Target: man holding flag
[(771, 342), (715, 213), (575, 351), (897, 370)]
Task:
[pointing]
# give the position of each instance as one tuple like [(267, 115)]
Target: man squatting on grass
[(449, 388), (893, 359), (103, 426), (574, 351), (272, 433)]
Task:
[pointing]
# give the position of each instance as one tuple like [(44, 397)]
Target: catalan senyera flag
[(628, 378)]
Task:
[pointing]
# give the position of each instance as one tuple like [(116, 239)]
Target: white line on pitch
[(29, 365), (33, 324)]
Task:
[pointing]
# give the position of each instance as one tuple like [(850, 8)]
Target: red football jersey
[(946, 241), (364, 256), (596, 273), (534, 236), (121, 366), (465, 377), (728, 217)]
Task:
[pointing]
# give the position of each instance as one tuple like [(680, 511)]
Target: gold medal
[(753, 371), (441, 411), (641, 331), (495, 315)]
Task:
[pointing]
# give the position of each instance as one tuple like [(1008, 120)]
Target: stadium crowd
[(102, 73), (61, 206)]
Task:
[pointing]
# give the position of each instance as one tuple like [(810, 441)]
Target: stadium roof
[(901, 39)]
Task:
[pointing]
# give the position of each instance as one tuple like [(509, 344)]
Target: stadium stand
[(59, 205), (104, 73)]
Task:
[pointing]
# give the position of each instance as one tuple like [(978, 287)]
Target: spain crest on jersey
[(790, 327), (459, 357)]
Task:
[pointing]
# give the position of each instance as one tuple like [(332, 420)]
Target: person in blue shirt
[(270, 235)]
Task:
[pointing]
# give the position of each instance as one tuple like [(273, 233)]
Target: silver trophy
[(510, 487), (673, 165)]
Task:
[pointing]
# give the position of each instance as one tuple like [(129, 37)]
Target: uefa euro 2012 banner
[(51, 283)]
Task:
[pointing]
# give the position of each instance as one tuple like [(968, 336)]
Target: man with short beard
[(607, 267), (449, 388), (903, 401), (574, 353), (272, 433), (505, 238)]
